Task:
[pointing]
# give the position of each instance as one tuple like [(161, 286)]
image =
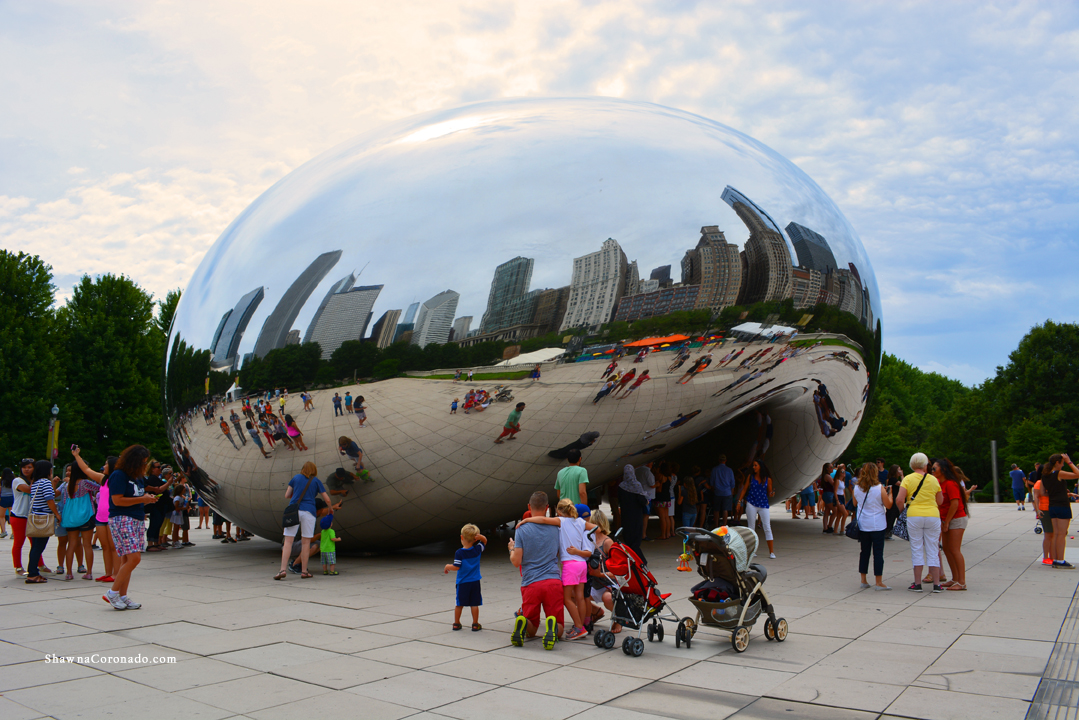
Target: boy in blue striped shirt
[(466, 563)]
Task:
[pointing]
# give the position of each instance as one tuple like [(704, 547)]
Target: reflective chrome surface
[(425, 210)]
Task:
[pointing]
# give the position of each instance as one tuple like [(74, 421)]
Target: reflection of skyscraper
[(633, 279), (660, 302), (382, 332), (275, 329), (716, 266), (434, 319), (663, 275), (461, 326), (345, 317), (293, 337), (343, 285), (597, 285), (410, 313), (806, 287), (550, 309), (510, 281), (850, 293), (228, 344), (217, 332), (768, 261), (813, 250)]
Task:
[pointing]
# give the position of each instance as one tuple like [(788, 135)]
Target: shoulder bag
[(900, 527), (39, 526), (77, 510), (291, 517), (853, 531)]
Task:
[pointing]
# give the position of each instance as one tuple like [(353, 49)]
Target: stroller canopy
[(743, 545)]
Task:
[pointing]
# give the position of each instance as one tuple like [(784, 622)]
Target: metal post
[(996, 481)]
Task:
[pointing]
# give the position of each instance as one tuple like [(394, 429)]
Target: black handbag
[(291, 516)]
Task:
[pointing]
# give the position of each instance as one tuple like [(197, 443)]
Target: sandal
[(335, 573), (956, 586), (476, 627), (279, 576), (88, 576), (37, 579), (457, 626), (948, 584), (306, 575)]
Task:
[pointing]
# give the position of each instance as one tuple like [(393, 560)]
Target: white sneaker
[(129, 603), (176, 545), (113, 598), (772, 556)]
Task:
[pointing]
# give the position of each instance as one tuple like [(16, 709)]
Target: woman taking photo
[(80, 498), (953, 522), (127, 511), (923, 520), (873, 501), (42, 503), (1060, 509), (756, 494), (109, 558)]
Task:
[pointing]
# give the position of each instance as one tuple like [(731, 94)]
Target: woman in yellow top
[(923, 519)]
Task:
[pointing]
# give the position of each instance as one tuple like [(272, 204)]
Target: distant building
[(767, 260), (293, 337), (231, 330), (805, 287), (633, 279), (597, 285), (510, 282), (850, 293), (382, 332), (410, 313), (660, 302), (275, 329), (343, 285), (461, 327), (345, 318), (813, 250), (647, 286), (716, 266), (402, 330), (551, 308), (434, 319), (663, 275), (514, 333)]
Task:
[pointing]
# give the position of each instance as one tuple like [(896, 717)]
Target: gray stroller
[(732, 596)]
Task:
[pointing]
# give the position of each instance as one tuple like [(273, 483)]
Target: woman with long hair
[(826, 485), (1060, 509), (42, 502), (953, 522), (895, 477), (77, 487), (306, 488), (109, 558), (127, 511), (873, 500), (294, 432), (757, 494)]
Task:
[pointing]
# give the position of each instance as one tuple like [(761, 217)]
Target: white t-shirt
[(571, 533), (21, 504), (871, 510)]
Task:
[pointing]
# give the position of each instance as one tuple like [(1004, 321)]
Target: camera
[(74, 447)]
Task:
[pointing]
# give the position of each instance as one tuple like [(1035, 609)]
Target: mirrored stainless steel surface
[(513, 219)]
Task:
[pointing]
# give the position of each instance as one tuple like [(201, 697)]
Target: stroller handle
[(686, 532)]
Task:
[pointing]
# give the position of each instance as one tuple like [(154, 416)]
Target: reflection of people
[(636, 384), (680, 420), (649, 449), (571, 481), (513, 424), (586, 440), (698, 367)]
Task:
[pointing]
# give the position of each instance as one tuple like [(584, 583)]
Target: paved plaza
[(375, 642)]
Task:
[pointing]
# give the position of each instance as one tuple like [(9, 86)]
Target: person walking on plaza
[(1019, 487), (921, 495), (535, 551), (235, 420), (1060, 510), (42, 504), (127, 510), (722, 489), (337, 405), (953, 522), (872, 499), (757, 494), (228, 433), (348, 402), (20, 512), (254, 433), (513, 424)]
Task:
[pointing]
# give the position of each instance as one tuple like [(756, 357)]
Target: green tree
[(1032, 441), (114, 352), (31, 374), (166, 310), (387, 368), (1040, 376)]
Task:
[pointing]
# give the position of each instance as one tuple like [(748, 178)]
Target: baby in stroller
[(732, 595), (637, 601)]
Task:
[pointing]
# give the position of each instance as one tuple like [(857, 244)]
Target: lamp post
[(52, 450)]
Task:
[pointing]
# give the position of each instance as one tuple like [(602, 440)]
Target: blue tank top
[(757, 494)]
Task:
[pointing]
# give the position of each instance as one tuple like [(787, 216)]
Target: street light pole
[(52, 450)]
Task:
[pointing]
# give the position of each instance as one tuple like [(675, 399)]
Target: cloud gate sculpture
[(590, 230)]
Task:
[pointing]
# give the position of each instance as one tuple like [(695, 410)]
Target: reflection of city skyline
[(604, 286)]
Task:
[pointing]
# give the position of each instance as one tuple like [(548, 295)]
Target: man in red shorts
[(535, 551)]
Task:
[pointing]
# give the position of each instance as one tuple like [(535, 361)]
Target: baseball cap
[(583, 511), (326, 521)]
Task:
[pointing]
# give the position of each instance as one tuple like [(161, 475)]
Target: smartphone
[(74, 447)]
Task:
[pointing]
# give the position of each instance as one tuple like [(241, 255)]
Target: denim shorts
[(1060, 512), (828, 497), (723, 503)]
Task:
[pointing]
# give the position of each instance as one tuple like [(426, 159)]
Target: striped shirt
[(40, 494)]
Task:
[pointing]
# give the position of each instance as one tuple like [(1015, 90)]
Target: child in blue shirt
[(453, 407), (466, 563)]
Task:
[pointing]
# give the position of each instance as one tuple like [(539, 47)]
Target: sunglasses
[(27, 461)]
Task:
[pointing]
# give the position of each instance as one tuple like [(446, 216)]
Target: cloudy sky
[(132, 133)]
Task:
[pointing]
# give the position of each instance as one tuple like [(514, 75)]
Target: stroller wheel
[(769, 629), (608, 640), (652, 633), (637, 648), (659, 632), (599, 637), (781, 629), (627, 645), (740, 638), (1037, 529)]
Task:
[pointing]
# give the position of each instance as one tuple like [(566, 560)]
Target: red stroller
[(637, 601)]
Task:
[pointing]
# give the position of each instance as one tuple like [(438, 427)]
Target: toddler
[(328, 546), (453, 407), (466, 563)]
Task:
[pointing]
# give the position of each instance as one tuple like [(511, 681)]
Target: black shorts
[(1060, 512), (468, 594), (220, 519)]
